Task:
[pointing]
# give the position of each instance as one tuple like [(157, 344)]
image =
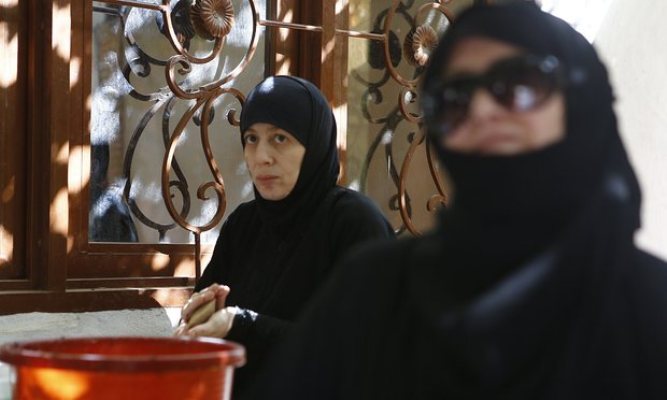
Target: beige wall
[(632, 41)]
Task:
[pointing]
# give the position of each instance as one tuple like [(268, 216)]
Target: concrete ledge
[(33, 326), (36, 326)]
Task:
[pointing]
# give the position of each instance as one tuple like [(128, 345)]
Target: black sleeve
[(257, 332), (249, 327), (213, 273)]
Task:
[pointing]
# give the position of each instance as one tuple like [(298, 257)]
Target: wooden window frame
[(61, 271)]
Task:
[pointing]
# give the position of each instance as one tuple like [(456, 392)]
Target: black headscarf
[(534, 244), (515, 206), (297, 106)]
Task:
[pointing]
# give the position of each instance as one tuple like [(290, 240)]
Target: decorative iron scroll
[(211, 20), (385, 55), (184, 21)]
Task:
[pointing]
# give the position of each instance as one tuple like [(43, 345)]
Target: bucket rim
[(215, 353)]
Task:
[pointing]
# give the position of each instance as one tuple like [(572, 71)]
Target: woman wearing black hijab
[(275, 251), (531, 287)]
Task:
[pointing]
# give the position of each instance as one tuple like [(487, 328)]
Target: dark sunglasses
[(520, 83)]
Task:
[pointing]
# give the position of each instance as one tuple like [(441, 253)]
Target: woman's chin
[(272, 195)]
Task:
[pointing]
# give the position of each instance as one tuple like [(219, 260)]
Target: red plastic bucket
[(123, 368)]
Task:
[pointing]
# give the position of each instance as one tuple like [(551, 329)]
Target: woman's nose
[(483, 104), (264, 153)]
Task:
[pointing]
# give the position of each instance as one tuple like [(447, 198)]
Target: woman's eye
[(280, 138), (249, 139)]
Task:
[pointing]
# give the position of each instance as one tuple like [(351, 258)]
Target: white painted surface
[(631, 40)]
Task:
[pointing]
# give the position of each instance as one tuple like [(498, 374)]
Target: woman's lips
[(496, 142), (265, 179)]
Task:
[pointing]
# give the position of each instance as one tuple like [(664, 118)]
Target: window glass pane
[(135, 113)]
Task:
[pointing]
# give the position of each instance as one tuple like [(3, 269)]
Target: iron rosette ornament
[(399, 59), (211, 20), (184, 40)]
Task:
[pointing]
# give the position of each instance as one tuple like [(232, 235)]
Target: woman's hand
[(196, 311), (218, 325)]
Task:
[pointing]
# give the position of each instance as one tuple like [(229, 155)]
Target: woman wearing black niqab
[(531, 287), (274, 252)]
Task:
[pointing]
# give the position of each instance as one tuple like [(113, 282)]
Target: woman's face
[(274, 159), (489, 127)]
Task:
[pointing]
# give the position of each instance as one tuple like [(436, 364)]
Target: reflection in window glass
[(134, 114), (378, 133)]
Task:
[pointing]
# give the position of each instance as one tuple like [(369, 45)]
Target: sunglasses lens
[(518, 84), (455, 101), (524, 84), (446, 104)]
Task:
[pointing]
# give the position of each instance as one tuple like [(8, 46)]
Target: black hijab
[(297, 106), (275, 255), (516, 206), (518, 286)]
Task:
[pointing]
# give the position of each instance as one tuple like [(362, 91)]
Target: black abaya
[(272, 276), (274, 255)]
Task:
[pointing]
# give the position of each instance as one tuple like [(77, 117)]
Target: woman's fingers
[(205, 311), (197, 300), (221, 294), (201, 306), (217, 326), (202, 314)]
